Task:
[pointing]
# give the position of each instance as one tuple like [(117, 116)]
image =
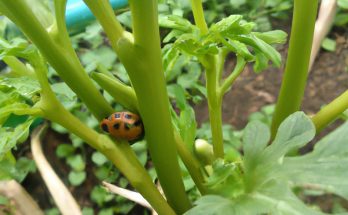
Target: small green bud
[(204, 151)]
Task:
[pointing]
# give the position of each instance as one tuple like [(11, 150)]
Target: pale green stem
[(228, 82), (17, 66), (330, 112), (121, 93), (198, 13)]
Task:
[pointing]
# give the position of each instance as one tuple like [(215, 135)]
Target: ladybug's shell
[(123, 125)]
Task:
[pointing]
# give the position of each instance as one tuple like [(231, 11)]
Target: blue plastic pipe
[(78, 15)]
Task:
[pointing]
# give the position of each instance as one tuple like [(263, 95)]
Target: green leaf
[(329, 44), (176, 22), (100, 196), (178, 93), (87, 211), (261, 62), (341, 19), (11, 136), (272, 37), (262, 47), (187, 126), (343, 4), (76, 178), (16, 170), (240, 49), (98, 158), (103, 55), (255, 139), (294, 132), (228, 25), (25, 86), (326, 167), (212, 205), (64, 150), (65, 95), (76, 162)]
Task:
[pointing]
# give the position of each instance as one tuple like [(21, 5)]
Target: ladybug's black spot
[(126, 126), (117, 116), (105, 127), (117, 126), (138, 123)]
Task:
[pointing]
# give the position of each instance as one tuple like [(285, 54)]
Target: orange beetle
[(124, 126)]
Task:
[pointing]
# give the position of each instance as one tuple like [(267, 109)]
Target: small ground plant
[(260, 180)]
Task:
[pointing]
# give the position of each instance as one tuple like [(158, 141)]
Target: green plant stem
[(105, 15), (330, 112), (64, 62), (214, 105), (120, 153), (17, 66), (142, 59), (191, 163), (198, 13), (213, 73), (121, 93), (296, 71), (227, 83)]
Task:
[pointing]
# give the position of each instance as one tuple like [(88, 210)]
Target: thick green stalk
[(296, 71), (143, 61), (120, 153), (67, 65), (149, 84), (330, 112)]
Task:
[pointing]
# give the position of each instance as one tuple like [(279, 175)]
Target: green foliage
[(341, 18), (18, 170), (231, 34), (263, 182)]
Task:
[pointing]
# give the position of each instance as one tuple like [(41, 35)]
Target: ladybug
[(123, 126)]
